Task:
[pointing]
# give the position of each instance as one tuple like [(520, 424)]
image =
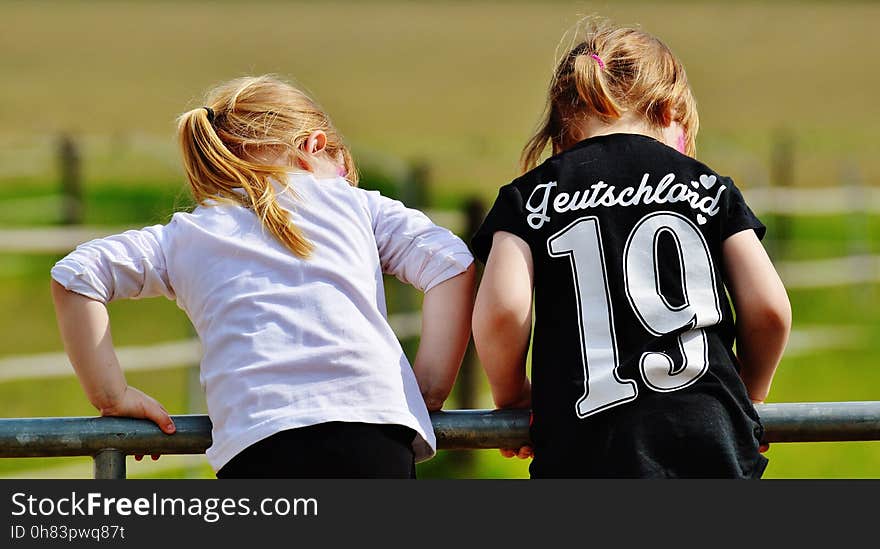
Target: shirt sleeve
[(738, 216), (128, 265), (508, 214), (411, 247)]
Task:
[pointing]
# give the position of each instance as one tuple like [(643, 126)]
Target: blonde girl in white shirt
[(279, 268)]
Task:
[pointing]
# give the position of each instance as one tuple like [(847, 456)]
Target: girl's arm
[(130, 265), (432, 259), (85, 331), (763, 312), (446, 330), (503, 320)]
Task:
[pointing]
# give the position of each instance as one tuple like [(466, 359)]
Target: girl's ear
[(681, 144), (675, 136), (315, 142)]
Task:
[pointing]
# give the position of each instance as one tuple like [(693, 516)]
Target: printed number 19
[(581, 242)]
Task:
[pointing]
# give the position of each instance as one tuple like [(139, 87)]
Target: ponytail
[(609, 71), (249, 136), (580, 87), (213, 172)]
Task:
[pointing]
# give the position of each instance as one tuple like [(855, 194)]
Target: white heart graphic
[(695, 184), (701, 219), (708, 181)]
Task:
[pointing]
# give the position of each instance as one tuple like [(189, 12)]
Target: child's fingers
[(138, 457), (523, 452), (155, 456), (155, 412)]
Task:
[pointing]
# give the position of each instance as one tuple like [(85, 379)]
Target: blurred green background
[(786, 94)]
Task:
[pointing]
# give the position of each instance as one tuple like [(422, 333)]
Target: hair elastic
[(598, 60), (210, 114)]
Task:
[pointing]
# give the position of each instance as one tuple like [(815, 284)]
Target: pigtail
[(590, 74), (197, 142)]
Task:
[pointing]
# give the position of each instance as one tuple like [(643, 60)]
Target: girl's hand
[(524, 452), (134, 403), (764, 446), (523, 401)]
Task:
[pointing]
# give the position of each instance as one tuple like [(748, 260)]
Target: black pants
[(328, 450)]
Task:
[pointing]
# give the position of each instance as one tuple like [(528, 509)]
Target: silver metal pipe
[(455, 429), (820, 421), (86, 436), (479, 429)]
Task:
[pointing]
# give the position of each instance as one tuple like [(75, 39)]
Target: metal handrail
[(109, 439)]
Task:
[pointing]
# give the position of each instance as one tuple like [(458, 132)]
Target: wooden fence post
[(71, 181), (415, 192), (467, 383), (781, 178), (402, 298)]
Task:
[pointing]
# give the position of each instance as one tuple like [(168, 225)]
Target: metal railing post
[(109, 464)]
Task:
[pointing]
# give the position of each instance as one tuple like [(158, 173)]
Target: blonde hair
[(606, 72), (253, 133)]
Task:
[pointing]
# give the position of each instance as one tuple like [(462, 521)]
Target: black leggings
[(328, 450)]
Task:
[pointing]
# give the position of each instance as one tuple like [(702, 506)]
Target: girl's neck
[(319, 164), (628, 123)]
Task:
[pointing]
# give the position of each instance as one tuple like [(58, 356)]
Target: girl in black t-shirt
[(629, 247)]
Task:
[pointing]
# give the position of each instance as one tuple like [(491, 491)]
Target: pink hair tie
[(598, 60)]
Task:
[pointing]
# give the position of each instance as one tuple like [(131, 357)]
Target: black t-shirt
[(633, 372)]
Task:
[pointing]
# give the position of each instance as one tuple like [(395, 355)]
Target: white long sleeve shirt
[(287, 342)]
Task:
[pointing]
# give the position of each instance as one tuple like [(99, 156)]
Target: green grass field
[(457, 85)]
